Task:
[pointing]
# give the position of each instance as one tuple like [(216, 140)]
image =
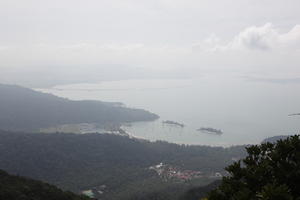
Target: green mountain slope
[(26, 109), (20, 188), (81, 162)]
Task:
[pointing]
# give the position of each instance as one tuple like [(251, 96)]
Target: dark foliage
[(199, 192), (26, 109), (20, 188), (271, 171)]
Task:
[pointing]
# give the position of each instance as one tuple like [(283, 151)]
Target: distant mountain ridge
[(274, 139), (25, 109)]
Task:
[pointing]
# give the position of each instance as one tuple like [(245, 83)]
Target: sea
[(245, 110)]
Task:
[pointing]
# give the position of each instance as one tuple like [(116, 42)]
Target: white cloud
[(262, 38), (265, 37), (291, 38)]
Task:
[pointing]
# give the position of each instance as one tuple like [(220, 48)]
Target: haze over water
[(246, 110)]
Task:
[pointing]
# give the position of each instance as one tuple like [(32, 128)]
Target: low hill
[(20, 188), (25, 109)]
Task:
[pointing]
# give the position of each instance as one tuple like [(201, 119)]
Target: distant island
[(173, 123), (210, 130), (294, 114)]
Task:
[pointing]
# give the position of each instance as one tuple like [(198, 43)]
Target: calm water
[(246, 111)]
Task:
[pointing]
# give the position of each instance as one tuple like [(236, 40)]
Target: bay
[(247, 111)]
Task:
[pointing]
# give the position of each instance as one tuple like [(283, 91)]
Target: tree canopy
[(269, 171)]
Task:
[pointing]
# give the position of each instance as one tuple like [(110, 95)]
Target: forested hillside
[(80, 162), (21, 188), (26, 109)]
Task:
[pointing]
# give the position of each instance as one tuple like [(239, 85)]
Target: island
[(210, 130), (173, 123), (294, 114)]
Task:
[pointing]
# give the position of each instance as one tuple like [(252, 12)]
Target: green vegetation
[(25, 109), (80, 162), (20, 188), (271, 171), (199, 192)]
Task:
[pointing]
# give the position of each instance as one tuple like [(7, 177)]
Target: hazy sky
[(81, 40)]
